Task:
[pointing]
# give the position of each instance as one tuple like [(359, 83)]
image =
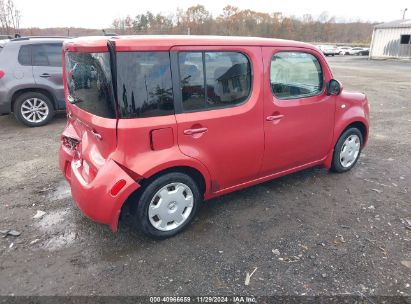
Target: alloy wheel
[(34, 110)]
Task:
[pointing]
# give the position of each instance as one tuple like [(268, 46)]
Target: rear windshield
[(89, 83)]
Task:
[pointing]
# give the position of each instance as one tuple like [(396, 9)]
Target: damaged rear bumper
[(96, 199)]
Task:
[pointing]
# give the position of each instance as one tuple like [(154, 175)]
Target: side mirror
[(334, 87)]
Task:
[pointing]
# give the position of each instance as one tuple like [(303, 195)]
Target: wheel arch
[(358, 123), (194, 173), (46, 92), (360, 126)]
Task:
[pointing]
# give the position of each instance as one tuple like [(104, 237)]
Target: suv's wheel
[(167, 205), (347, 150), (33, 109)]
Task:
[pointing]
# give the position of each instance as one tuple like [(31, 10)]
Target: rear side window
[(46, 54), (89, 83), (213, 79), (24, 57), (144, 84), (295, 75)]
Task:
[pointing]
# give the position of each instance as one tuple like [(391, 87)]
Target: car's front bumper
[(94, 198), (4, 108), (5, 105)]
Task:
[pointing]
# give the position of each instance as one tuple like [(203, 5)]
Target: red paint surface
[(231, 148), (162, 138)]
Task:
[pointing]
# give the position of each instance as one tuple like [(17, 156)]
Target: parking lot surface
[(312, 233)]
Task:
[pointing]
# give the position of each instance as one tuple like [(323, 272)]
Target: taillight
[(70, 143), (1, 74)]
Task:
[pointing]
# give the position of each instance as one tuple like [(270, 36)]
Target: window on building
[(214, 79), (295, 75), (405, 39)]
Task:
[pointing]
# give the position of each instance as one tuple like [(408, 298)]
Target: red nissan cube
[(164, 122)]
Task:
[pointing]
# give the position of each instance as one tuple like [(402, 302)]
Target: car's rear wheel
[(33, 109), (167, 205), (347, 150)]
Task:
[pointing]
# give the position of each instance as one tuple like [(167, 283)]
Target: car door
[(47, 69), (299, 116), (220, 109), (22, 72)]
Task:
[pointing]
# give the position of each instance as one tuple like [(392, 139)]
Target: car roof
[(36, 40), (166, 42)]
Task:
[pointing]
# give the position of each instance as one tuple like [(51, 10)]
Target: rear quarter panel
[(136, 152)]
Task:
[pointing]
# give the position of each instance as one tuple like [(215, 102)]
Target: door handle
[(195, 131), (274, 117), (45, 75)]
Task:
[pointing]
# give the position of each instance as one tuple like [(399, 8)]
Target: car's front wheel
[(347, 150), (167, 205), (33, 109)]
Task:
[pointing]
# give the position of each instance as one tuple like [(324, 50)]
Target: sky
[(100, 14)]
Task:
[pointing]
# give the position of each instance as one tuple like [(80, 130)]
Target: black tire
[(141, 214), (29, 95), (336, 165)]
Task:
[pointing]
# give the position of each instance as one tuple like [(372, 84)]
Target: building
[(234, 83), (391, 40)]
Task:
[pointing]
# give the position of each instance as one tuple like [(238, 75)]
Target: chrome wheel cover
[(350, 150), (34, 110), (171, 206)]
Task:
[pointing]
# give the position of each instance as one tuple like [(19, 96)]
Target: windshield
[(89, 83)]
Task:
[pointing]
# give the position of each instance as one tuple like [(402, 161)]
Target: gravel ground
[(310, 233)]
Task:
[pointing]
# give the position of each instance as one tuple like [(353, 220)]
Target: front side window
[(89, 83), (46, 54), (213, 79), (144, 84), (295, 75)]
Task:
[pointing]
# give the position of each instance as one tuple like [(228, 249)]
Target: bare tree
[(198, 20), (9, 17)]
